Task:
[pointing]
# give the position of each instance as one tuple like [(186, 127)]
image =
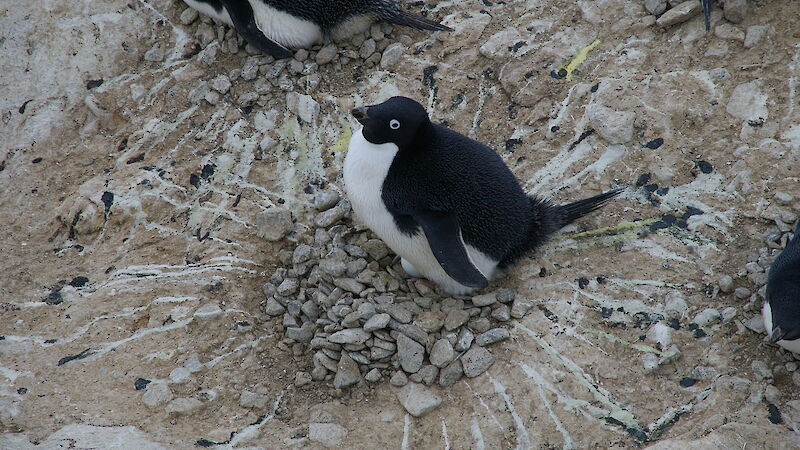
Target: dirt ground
[(129, 193)]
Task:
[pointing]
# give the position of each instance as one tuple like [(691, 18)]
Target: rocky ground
[(180, 267)]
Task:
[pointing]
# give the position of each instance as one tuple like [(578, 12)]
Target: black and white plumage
[(284, 24), (446, 204), (781, 310)]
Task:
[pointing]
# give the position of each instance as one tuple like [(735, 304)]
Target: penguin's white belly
[(284, 28), (208, 10), (365, 169), (766, 314)]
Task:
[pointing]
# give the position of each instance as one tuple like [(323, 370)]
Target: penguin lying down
[(274, 26), (781, 310), (446, 204)]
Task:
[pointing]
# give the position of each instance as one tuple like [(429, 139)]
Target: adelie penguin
[(781, 310), (274, 26), (446, 204)]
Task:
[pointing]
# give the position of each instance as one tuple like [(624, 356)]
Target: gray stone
[(729, 32), (455, 318), (373, 376), (679, 14), (414, 332), (706, 316), (333, 267), (319, 373), (188, 16), (326, 54), (476, 361), (520, 307), (398, 312), (310, 309), (392, 55), (302, 334), (376, 249), (367, 48), (676, 305), (430, 321), (505, 295), (220, 83), (725, 283), (274, 308), (350, 336), (747, 102), (274, 223), (377, 322), (451, 373), (410, 353), (426, 375), (208, 311), (302, 378), (492, 336), (742, 293), (302, 253), (347, 373), (288, 287), (655, 7), (325, 200), (465, 338), (156, 394), (756, 324), (484, 300), (249, 399), (329, 217), (735, 10), (326, 434), (442, 353), (418, 399), (480, 325), (183, 405), (704, 373), (761, 370), (754, 35), (728, 314), (660, 333), (349, 285), (399, 379), (179, 374), (250, 68), (615, 127), (501, 314), (303, 106)]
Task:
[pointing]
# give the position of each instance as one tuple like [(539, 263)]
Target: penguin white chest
[(766, 314), (285, 28), (208, 10), (365, 169)]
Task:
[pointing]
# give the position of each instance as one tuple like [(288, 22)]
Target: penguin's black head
[(397, 121)]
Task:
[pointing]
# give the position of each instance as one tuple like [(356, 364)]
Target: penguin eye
[(394, 124)]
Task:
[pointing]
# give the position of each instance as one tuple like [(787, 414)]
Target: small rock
[(274, 308), (756, 324), (480, 325), (325, 200), (455, 318), (676, 305), (347, 373), (451, 373), (442, 353), (418, 399), (704, 373), (156, 394), (249, 399), (430, 321), (410, 353), (520, 307), (220, 83), (398, 312), (302, 253), (655, 7), (399, 379), (373, 376), (729, 32), (679, 14), (615, 127), (501, 314), (302, 334), (706, 316), (735, 10), (288, 287), (742, 293), (326, 54), (392, 55), (725, 284), (179, 374), (349, 285), (465, 338), (761, 370), (327, 434), (660, 333), (747, 102), (650, 362), (208, 311), (188, 16), (273, 224), (728, 314), (350, 336), (492, 336), (302, 379), (303, 106), (377, 322), (376, 249), (476, 361), (183, 405), (506, 295), (484, 300), (754, 35)]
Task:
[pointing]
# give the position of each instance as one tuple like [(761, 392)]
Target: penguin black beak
[(360, 114), (777, 334)]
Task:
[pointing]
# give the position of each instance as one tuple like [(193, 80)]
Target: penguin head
[(396, 121)]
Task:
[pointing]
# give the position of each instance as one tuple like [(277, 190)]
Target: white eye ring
[(394, 124)]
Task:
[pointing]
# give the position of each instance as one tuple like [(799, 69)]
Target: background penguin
[(448, 205), (302, 23), (239, 14), (782, 305)]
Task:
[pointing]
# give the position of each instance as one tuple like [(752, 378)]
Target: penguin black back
[(783, 291), (439, 169), (330, 13)]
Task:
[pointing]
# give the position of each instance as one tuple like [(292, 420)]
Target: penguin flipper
[(409, 19), (241, 14), (444, 237)]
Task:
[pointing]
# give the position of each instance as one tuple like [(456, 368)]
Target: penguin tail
[(406, 18), (573, 211)]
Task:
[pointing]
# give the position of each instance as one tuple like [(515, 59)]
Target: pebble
[(735, 10), (729, 32), (676, 305), (376, 249), (725, 283), (747, 102), (615, 127), (188, 16), (679, 14), (480, 325), (156, 394), (392, 54), (476, 361), (302, 378), (307, 109), (754, 34), (655, 7), (442, 353), (399, 379), (505, 295), (649, 361), (410, 353), (465, 338), (302, 334), (501, 314), (492, 336), (347, 372), (430, 321), (756, 324), (398, 312), (742, 293), (761, 370), (274, 223), (426, 375), (484, 300), (326, 54), (520, 307), (377, 322), (451, 373), (350, 336), (704, 373), (220, 83), (455, 318), (728, 314), (329, 217), (659, 333), (706, 316), (249, 399), (373, 376), (349, 285), (327, 434), (179, 374), (418, 399), (183, 405), (325, 200)]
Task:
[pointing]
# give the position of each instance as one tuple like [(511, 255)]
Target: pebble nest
[(344, 301)]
